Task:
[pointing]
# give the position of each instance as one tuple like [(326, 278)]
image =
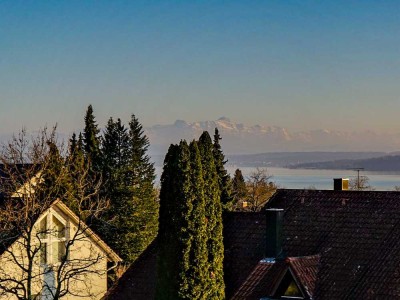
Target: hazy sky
[(296, 64)]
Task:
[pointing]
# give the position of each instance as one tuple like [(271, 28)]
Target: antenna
[(358, 176)]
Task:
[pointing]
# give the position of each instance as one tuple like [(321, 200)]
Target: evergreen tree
[(213, 213), (141, 176), (91, 142), (239, 189), (195, 259), (73, 144), (224, 180), (174, 209), (190, 235), (130, 224), (75, 163), (116, 188)]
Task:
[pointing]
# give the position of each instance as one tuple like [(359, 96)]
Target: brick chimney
[(274, 232), (340, 184)]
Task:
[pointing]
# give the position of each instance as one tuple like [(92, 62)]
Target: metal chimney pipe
[(274, 217)]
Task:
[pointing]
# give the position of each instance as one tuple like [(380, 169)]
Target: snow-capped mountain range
[(239, 138)]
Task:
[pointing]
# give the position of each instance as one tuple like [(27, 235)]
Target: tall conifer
[(141, 176), (213, 214), (224, 180), (174, 236), (190, 235), (196, 256), (239, 189), (91, 142), (130, 224), (114, 222)]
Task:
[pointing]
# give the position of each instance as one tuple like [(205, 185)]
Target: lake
[(320, 179), (323, 179)]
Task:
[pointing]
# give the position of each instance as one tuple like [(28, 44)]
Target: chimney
[(274, 232), (340, 184)]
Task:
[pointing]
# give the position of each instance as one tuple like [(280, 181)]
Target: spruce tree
[(239, 189), (91, 142), (141, 176), (130, 224), (213, 213), (224, 180), (115, 188), (75, 163)]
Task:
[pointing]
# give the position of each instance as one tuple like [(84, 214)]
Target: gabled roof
[(356, 233), (112, 256), (267, 276), (90, 233)]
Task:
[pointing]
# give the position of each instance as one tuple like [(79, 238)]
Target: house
[(305, 244), (61, 251)]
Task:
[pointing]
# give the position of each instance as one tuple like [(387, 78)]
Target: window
[(288, 288), (53, 236)]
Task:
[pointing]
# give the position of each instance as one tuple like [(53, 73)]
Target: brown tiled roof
[(267, 275), (305, 270)]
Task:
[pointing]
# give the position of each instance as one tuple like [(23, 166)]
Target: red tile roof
[(267, 275)]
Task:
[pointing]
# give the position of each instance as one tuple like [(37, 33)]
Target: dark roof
[(266, 277), (244, 242), (354, 234), (357, 234), (139, 281)]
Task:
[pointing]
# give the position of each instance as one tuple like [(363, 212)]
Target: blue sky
[(297, 64)]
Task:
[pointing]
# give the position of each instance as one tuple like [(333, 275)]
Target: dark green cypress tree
[(173, 231), (195, 257), (183, 261), (213, 212), (224, 180), (91, 142)]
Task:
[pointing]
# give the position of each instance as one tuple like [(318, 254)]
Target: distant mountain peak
[(242, 138), (224, 119), (181, 123)]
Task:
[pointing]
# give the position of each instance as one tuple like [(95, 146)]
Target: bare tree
[(44, 254), (360, 183), (260, 188)]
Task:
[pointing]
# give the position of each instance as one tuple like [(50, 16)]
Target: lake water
[(320, 179)]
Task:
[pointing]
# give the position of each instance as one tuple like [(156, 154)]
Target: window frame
[(49, 237)]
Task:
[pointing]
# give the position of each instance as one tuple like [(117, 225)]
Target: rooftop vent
[(274, 232), (340, 184)]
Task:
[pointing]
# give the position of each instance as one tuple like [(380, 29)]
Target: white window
[(52, 232)]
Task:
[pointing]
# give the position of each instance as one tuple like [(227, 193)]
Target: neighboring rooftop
[(336, 245), (275, 277)]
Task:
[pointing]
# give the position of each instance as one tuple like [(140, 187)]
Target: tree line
[(118, 159), (106, 177)]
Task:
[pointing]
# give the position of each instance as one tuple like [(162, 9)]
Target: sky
[(302, 65)]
